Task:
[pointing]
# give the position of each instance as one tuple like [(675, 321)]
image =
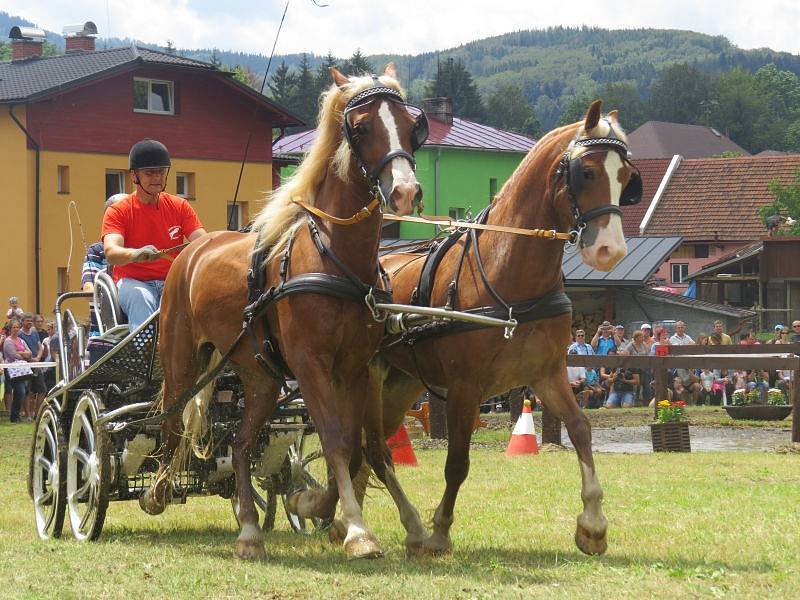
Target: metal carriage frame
[(99, 427)]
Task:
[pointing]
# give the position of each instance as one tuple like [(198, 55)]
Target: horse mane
[(280, 217)]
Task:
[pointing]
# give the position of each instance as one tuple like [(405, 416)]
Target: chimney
[(440, 109), (26, 42), (80, 38)]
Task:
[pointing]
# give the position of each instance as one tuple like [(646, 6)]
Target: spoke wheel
[(88, 471), (306, 469), (266, 503), (46, 476)]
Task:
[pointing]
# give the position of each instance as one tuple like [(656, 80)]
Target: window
[(63, 179), (184, 185), (680, 271), (62, 280), (701, 250), (153, 96), (115, 182), (492, 188), (456, 213), (234, 216)]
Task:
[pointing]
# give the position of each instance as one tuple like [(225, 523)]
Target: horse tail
[(195, 414)]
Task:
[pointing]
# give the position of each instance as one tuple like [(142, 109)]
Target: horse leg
[(463, 404), (556, 394), (340, 435), (258, 406), (155, 498)]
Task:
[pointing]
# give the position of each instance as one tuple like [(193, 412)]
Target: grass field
[(700, 525)]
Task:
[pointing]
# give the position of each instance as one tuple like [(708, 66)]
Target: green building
[(460, 168)]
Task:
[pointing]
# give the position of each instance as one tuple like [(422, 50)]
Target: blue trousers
[(139, 299)]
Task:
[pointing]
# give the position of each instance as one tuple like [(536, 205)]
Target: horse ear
[(613, 116), (391, 70), (592, 115), (338, 78)]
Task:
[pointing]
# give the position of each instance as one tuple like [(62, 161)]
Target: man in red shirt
[(137, 229)]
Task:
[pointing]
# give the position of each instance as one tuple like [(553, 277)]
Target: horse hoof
[(362, 546), (337, 532), (292, 502), (148, 504), (593, 544), (250, 550), (430, 547)]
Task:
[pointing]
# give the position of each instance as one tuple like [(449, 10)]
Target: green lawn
[(701, 525)]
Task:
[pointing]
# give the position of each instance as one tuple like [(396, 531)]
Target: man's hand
[(147, 253)]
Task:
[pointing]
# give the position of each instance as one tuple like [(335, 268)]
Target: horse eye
[(361, 129), (588, 175)]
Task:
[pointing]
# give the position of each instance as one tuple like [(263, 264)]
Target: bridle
[(570, 167), (420, 134)]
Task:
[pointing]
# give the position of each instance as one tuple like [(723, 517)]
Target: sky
[(402, 26)]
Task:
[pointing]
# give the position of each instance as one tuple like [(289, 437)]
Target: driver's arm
[(196, 234), (116, 252)]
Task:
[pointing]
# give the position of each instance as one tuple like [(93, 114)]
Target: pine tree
[(455, 82), (357, 64), (214, 60), (323, 77), (305, 105), (170, 48), (283, 86), (509, 109)]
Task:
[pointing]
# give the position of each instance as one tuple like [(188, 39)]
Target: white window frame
[(170, 85), (187, 179), (681, 268), (121, 175)]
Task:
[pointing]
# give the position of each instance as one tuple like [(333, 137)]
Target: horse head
[(598, 178), (380, 133)]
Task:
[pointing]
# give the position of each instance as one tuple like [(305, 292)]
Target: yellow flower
[(663, 404)]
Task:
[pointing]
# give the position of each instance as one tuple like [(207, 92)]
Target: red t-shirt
[(163, 224)]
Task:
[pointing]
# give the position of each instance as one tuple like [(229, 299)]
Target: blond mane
[(280, 217)]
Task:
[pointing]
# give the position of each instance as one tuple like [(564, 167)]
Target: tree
[(283, 86), (5, 51), (509, 109), (455, 82), (214, 60), (243, 74), (170, 48), (357, 64), (787, 204), (323, 77), (624, 98), (576, 111), (305, 105), (680, 94), (743, 111)]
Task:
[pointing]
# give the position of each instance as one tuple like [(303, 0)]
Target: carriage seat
[(112, 322)]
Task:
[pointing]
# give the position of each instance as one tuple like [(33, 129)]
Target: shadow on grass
[(504, 565)]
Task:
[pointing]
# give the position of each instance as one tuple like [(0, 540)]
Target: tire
[(298, 471), (46, 476), (88, 470)]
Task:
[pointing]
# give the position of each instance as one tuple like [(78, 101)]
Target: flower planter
[(760, 412), (672, 436)]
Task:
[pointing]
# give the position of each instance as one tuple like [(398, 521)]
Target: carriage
[(99, 428)]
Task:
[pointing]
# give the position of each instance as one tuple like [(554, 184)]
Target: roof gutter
[(37, 258), (673, 166)]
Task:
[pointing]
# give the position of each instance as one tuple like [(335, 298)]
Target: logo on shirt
[(175, 232)]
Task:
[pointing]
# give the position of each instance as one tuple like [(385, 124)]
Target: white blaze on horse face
[(608, 246), (398, 180)]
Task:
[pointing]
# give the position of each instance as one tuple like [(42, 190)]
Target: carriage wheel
[(266, 503), (88, 470), (46, 477), (306, 472)]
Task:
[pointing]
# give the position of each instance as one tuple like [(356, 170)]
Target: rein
[(548, 234), (361, 215)]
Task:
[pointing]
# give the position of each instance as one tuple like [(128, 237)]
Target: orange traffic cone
[(523, 438), (402, 451)]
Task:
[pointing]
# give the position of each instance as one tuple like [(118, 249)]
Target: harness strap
[(362, 214), (547, 234)]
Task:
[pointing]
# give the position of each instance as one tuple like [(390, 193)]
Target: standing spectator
[(49, 372), (776, 335), (604, 340), (579, 346), (718, 328), (37, 387), (748, 339), (14, 311), (647, 330), (662, 339), (638, 347), (785, 377), (796, 331), (619, 336), (16, 351), (680, 337), (702, 339)]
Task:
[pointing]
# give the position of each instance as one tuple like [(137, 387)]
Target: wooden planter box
[(760, 412), (670, 437)]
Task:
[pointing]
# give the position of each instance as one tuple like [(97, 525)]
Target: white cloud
[(410, 26)]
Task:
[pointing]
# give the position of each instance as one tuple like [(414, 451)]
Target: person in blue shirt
[(604, 340), (580, 346)]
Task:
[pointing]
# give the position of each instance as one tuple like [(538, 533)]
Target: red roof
[(710, 199), (461, 134), (652, 170)]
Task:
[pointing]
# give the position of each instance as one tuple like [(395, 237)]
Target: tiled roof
[(657, 139), (34, 77), (461, 134), (652, 171), (720, 309), (718, 198)]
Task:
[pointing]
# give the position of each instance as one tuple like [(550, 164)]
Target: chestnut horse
[(362, 153), (572, 179)]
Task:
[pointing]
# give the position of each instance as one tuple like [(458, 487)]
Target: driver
[(137, 229)]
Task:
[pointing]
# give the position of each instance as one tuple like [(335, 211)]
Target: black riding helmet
[(148, 154)]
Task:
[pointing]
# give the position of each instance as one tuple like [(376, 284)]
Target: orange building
[(66, 125)]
